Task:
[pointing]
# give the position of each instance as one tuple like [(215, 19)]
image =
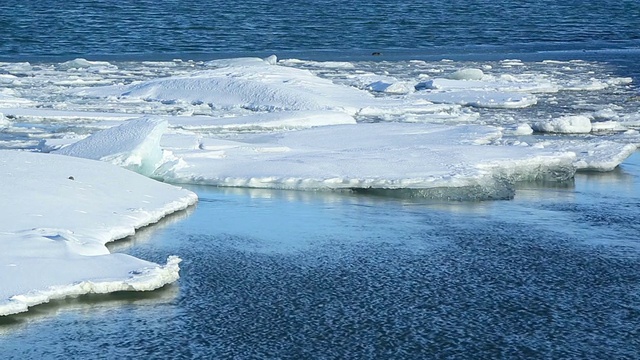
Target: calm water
[(554, 273)]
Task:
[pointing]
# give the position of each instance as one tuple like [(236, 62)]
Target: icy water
[(284, 274), (553, 273), (152, 29)]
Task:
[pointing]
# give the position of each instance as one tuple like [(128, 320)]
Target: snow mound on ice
[(574, 124), (134, 145)]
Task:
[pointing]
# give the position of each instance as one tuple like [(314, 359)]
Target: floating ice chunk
[(511, 62), (595, 154), (59, 211), (135, 145), (391, 87), (620, 81), (47, 278), (371, 156), (605, 114), (271, 60), (467, 74), (578, 85), (507, 83), (83, 64), (601, 126), (572, 124), (523, 129), (481, 99)]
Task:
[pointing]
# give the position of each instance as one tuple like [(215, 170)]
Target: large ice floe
[(58, 213), (339, 140), (437, 130)]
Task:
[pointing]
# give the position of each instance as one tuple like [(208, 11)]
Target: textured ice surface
[(368, 156), (135, 145), (249, 84), (576, 124), (58, 212)]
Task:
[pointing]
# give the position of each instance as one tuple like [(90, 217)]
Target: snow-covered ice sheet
[(58, 212), (282, 120), (334, 144), (370, 156), (258, 85), (353, 156)]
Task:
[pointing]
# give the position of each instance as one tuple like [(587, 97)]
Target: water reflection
[(147, 233), (92, 305)]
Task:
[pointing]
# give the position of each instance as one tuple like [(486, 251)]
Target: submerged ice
[(443, 130)]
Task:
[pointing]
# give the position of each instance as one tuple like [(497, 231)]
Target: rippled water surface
[(277, 274), (108, 27)]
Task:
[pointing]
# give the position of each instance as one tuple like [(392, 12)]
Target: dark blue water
[(158, 29)]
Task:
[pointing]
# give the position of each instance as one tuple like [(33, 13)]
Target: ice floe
[(356, 156), (249, 84), (59, 212), (574, 124), (383, 155)]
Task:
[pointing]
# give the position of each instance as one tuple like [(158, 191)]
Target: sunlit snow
[(58, 212)]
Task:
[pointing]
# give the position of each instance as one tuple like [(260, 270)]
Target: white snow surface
[(249, 84), (574, 124), (383, 156), (263, 121), (59, 212), (135, 145)]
